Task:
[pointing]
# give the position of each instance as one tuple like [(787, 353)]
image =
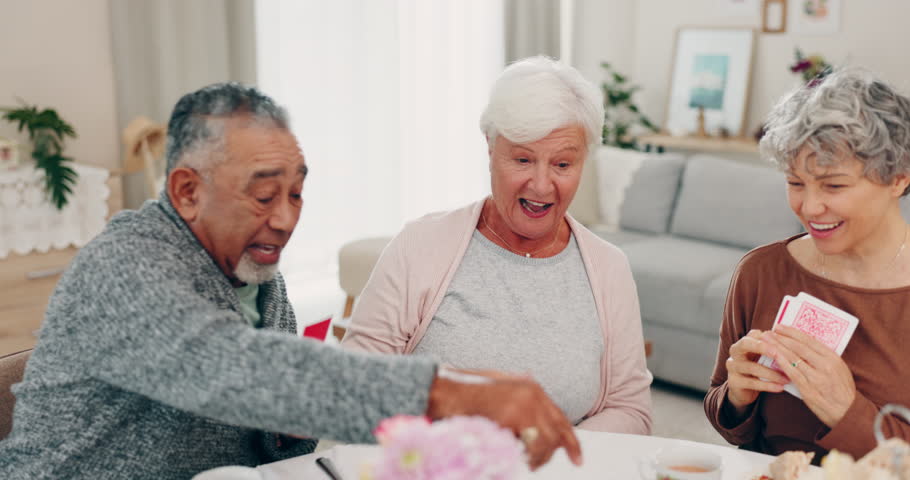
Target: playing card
[(318, 330), (786, 309), (826, 323)]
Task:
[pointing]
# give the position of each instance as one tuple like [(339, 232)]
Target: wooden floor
[(13, 344)]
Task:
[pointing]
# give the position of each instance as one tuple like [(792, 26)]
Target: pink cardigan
[(413, 274)]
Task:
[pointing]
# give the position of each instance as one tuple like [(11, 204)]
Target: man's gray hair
[(195, 132), (849, 112), (537, 95)]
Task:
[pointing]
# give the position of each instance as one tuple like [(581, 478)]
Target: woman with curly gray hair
[(845, 147)]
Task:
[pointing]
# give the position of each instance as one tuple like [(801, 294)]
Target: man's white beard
[(248, 271)]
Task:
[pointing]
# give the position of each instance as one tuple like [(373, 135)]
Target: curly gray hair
[(197, 122), (850, 111)]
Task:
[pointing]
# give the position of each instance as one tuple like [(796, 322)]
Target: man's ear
[(183, 188)]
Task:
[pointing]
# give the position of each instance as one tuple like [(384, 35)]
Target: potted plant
[(621, 114), (47, 133), (813, 68)]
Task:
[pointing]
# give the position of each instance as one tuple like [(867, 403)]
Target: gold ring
[(529, 435)]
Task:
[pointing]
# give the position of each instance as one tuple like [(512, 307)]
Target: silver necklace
[(887, 267), (509, 245)]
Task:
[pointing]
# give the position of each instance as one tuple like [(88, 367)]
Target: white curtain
[(532, 27), (385, 97), (165, 48)]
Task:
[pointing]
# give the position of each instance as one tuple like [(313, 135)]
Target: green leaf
[(47, 132), (647, 123), (621, 114)]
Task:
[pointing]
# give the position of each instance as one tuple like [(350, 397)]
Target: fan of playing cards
[(826, 323)]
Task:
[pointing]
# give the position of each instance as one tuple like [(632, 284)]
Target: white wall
[(873, 34), (604, 31), (57, 54)]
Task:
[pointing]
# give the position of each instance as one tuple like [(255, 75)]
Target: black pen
[(328, 467)]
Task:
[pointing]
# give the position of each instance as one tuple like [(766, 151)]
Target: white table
[(606, 456)]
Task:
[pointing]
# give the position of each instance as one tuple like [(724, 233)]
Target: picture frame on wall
[(774, 16), (815, 17), (712, 68)]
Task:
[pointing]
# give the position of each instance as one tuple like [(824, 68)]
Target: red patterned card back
[(824, 326)]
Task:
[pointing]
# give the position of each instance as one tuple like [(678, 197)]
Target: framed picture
[(711, 71), (774, 16), (815, 17)]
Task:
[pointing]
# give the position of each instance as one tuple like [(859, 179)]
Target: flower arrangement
[(813, 68), (456, 448)]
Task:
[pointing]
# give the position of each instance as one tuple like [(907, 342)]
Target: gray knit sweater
[(145, 368)]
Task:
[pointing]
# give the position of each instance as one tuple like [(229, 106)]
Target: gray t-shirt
[(523, 315)]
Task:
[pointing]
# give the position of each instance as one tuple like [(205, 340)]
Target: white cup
[(681, 463), (229, 473)]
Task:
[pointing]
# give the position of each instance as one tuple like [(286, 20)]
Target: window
[(385, 97)]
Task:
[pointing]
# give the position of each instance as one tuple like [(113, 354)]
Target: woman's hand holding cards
[(822, 376), (745, 374)]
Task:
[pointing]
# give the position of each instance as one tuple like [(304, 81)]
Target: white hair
[(537, 95), (248, 271)]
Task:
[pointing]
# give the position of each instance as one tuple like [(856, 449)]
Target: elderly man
[(168, 346)]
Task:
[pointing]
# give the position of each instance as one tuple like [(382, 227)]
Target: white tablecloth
[(606, 456), (29, 222)]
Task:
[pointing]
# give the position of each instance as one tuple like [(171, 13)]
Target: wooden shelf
[(701, 144)]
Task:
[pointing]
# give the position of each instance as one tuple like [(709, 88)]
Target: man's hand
[(516, 403)]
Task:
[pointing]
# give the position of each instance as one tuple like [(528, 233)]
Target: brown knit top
[(878, 355)]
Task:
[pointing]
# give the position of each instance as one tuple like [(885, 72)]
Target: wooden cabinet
[(26, 283)]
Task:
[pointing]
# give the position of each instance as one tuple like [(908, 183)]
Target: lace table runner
[(29, 222)]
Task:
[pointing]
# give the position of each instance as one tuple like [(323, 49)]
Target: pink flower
[(458, 448), (391, 427), (800, 66)]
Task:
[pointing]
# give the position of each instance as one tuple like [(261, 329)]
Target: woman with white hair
[(845, 147), (512, 282)]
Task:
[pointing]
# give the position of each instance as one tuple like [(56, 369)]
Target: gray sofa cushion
[(733, 203), (637, 190), (672, 275), (620, 238), (682, 357), (650, 197), (712, 304)]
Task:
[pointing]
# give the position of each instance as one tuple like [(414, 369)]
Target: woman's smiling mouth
[(823, 230)]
